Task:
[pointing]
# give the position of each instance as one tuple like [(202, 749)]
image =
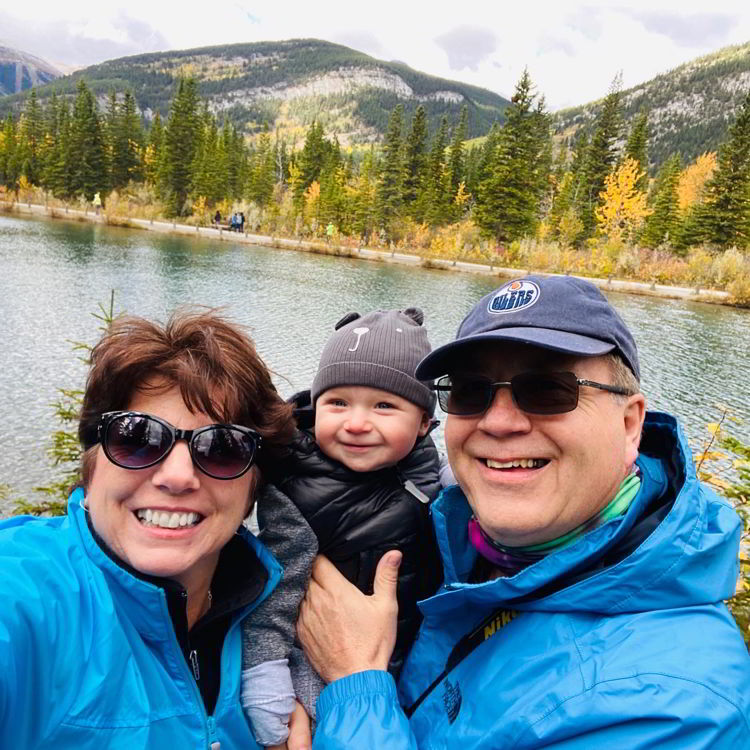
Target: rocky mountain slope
[(690, 107), (20, 71), (288, 84)]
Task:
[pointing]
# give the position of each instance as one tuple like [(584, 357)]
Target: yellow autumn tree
[(623, 207), (312, 204), (693, 178)]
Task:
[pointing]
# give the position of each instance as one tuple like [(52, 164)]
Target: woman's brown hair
[(213, 362)]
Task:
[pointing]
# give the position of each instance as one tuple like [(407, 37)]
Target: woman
[(119, 624)]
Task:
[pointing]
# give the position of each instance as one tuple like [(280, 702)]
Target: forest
[(583, 205)]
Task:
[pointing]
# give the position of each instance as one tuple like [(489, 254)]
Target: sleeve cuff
[(369, 682)]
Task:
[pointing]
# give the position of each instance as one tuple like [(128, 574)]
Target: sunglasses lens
[(551, 393), (223, 452), (466, 395), (134, 441)]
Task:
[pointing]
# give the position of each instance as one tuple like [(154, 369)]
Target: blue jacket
[(619, 641), (88, 654)]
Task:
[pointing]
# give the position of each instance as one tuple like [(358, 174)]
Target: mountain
[(690, 107), (20, 71), (288, 84)]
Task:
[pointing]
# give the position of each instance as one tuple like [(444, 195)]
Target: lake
[(55, 274)]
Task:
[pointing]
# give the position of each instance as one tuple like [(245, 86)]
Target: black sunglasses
[(533, 392), (132, 440)]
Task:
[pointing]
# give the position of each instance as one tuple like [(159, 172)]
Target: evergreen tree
[(432, 203), (30, 139), (208, 172), (724, 217), (390, 187), (415, 156), (362, 197), (59, 163), (507, 204), (661, 226), (262, 178), (10, 168), (181, 141), (312, 158), (457, 163), (153, 156), (601, 155), (88, 162), (637, 147)]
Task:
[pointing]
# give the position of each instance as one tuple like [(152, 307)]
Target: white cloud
[(572, 49)]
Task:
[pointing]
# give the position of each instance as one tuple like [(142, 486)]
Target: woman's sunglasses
[(132, 440), (533, 392)]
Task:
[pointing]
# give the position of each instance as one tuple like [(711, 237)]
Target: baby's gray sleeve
[(268, 632)]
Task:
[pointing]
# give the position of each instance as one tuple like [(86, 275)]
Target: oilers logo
[(514, 296)]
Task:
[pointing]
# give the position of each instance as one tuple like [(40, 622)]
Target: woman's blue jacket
[(618, 641), (88, 654)]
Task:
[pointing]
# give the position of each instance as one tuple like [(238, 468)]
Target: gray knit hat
[(380, 350)]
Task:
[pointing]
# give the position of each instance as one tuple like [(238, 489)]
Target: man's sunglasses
[(132, 440), (533, 392)]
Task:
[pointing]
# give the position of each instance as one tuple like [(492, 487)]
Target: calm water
[(55, 274)]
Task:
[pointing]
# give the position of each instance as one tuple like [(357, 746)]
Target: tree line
[(517, 182)]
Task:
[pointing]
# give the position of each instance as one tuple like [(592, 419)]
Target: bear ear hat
[(348, 318), (415, 314)]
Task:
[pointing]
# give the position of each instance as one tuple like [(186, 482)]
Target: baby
[(356, 482)]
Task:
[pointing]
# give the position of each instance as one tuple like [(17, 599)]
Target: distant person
[(97, 203), (330, 229), (217, 219), (585, 565), (356, 481), (242, 222)]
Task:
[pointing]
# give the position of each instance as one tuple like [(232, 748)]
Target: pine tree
[(637, 147), (390, 187), (313, 156), (10, 168), (662, 225), (362, 197), (30, 139), (153, 156), (262, 175), (601, 155), (724, 217), (181, 144), (507, 203), (59, 163), (87, 155), (415, 157), (456, 157), (432, 202)]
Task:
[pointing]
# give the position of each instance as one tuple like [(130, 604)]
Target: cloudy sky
[(572, 49)]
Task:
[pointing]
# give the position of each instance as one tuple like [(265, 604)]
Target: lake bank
[(693, 294)]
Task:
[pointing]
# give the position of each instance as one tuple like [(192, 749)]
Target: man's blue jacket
[(88, 654), (618, 641)]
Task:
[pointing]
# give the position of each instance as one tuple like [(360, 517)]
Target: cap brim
[(439, 362)]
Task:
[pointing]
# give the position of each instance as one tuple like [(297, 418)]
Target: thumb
[(386, 575)]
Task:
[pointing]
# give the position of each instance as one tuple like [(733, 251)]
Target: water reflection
[(55, 274)]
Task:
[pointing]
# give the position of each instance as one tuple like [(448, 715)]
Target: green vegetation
[(724, 463)]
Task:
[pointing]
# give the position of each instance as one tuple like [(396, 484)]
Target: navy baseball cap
[(561, 313)]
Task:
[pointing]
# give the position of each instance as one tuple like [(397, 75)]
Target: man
[(585, 566)]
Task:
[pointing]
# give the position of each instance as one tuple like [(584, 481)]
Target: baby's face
[(365, 428)]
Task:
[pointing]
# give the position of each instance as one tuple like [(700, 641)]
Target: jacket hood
[(676, 546)]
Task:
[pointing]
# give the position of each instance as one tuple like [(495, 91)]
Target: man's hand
[(342, 630)]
